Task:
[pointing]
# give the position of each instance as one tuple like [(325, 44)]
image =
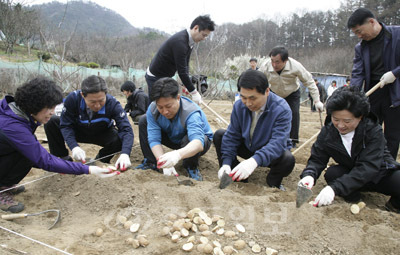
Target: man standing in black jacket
[(138, 101), (174, 55)]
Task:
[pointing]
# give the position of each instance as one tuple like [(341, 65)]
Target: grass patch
[(20, 54)]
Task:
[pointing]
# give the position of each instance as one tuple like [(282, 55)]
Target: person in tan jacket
[(284, 74)]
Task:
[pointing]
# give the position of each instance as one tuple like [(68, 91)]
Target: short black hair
[(359, 17), (93, 84), (280, 50), (350, 99), (253, 59), (204, 22), (128, 86), (253, 79), (348, 79), (37, 94), (164, 87)]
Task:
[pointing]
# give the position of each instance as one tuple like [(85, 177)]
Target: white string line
[(36, 241), (50, 175)]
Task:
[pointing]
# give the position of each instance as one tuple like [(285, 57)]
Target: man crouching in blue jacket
[(258, 132), (178, 123), (88, 116)]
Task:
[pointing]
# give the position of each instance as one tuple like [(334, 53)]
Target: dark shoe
[(147, 165), (281, 187), (8, 204), (389, 207), (353, 198), (13, 191), (194, 174)]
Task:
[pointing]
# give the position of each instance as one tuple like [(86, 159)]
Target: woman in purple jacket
[(33, 104)]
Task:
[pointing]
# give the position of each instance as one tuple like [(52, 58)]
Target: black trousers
[(191, 163), (109, 140), (294, 102), (390, 116), (13, 168), (388, 185), (279, 168), (150, 80)]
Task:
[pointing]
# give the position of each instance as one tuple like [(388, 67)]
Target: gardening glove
[(224, 168), (319, 106), (307, 181), (244, 169), (79, 154), (169, 159), (325, 197), (169, 171), (387, 78), (123, 162), (196, 97), (102, 172)]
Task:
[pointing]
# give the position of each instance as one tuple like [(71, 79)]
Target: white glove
[(224, 168), (319, 106), (102, 172), (169, 171), (387, 78), (244, 169), (79, 154), (307, 181), (123, 162), (325, 197), (169, 159), (196, 97)]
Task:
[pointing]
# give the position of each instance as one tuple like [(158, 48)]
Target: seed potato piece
[(256, 248), (208, 249), (240, 228), (220, 231), (143, 240), (229, 233), (194, 228), (206, 233), (239, 244), (187, 247), (361, 205), (129, 240), (216, 244), (218, 251), (203, 240), (203, 215), (99, 232), (270, 251), (221, 223), (165, 231), (135, 244), (200, 247), (203, 227), (187, 225), (175, 238), (184, 232), (128, 224), (354, 209), (134, 227), (208, 221), (216, 218), (172, 217), (228, 249), (191, 239)]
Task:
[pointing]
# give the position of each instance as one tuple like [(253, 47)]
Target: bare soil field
[(270, 216)]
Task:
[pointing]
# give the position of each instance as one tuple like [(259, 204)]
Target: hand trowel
[(303, 195), (225, 181)]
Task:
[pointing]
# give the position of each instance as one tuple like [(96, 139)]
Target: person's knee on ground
[(336, 171), (279, 169), (217, 140)]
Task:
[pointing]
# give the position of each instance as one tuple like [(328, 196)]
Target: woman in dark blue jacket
[(33, 105), (352, 137)]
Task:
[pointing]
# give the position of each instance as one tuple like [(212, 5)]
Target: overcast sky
[(173, 15)]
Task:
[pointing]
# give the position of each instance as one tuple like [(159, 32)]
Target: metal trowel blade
[(225, 181), (303, 195)]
